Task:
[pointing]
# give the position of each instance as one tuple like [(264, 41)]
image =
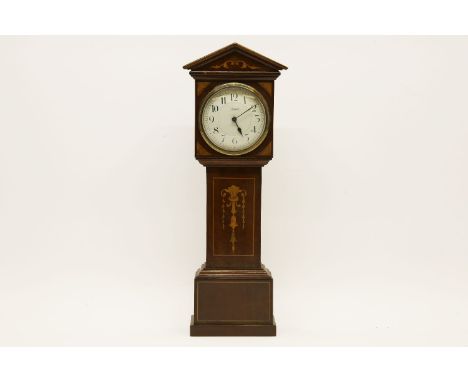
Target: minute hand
[(245, 111)]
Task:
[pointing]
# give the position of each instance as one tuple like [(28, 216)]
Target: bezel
[(267, 119)]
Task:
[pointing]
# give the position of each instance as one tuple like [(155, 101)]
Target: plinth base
[(214, 330), (233, 302)]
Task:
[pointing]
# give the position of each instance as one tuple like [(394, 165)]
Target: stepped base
[(233, 302)]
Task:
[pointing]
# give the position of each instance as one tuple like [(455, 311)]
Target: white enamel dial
[(234, 118)]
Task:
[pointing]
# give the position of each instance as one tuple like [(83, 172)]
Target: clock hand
[(245, 111), (234, 119)]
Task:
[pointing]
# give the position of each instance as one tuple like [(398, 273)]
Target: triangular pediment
[(235, 57)]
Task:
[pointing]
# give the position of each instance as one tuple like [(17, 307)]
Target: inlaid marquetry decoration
[(235, 64), (233, 199)]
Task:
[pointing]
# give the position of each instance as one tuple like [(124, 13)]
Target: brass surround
[(267, 118)]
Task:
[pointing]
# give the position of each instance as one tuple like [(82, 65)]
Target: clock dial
[(234, 118)]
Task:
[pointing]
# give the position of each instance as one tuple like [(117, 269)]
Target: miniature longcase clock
[(234, 94)]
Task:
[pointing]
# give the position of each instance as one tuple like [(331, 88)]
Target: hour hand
[(234, 119)]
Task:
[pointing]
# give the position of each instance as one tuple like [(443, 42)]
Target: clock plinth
[(233, 303), (234, 96)]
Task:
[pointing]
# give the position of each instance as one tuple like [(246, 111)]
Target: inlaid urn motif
[(233, 198)]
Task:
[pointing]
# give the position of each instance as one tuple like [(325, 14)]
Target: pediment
[(235, 57)]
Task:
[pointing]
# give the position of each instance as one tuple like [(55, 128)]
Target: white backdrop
[(102, 204)]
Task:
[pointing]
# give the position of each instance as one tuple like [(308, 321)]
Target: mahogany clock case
[(233, 291)]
